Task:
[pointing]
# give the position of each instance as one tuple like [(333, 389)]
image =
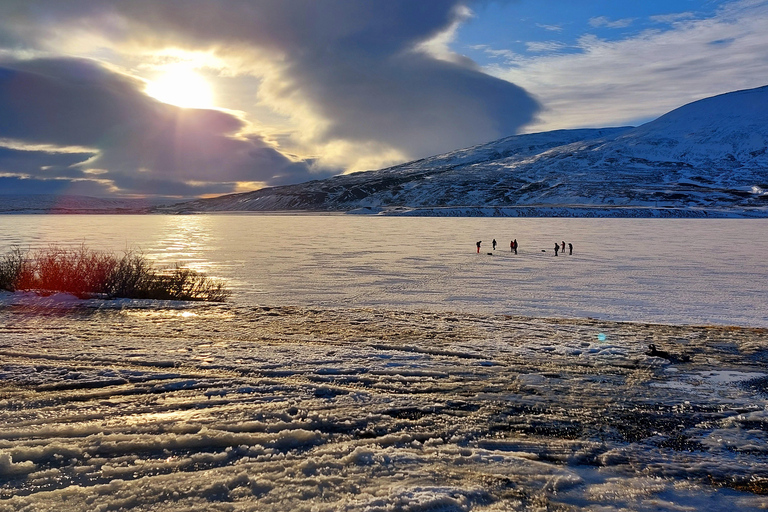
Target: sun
[(183, 87)]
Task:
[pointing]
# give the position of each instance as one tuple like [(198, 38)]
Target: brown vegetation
[(87, 273)]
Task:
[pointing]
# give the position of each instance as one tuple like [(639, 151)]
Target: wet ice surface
[(138, 405)]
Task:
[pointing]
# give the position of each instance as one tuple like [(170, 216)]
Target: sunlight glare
[(183, 87)]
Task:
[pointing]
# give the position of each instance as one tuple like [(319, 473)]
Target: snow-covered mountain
[(52, 203), (705, 158)]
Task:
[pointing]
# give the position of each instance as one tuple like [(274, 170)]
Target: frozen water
[(382, 364), (681, 271)]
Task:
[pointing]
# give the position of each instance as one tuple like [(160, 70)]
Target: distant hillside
[(51, 203), (703, 159)]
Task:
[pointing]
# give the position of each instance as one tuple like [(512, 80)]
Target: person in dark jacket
[(557, 248)]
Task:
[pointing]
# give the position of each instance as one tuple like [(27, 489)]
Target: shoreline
[(67, 302), (520, 211)]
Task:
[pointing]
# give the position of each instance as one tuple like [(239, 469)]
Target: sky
[(197, 98)]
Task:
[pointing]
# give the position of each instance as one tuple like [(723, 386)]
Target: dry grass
[(88, 273)]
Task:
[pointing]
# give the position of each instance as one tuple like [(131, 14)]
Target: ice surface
[(681, 271), (135, 405)]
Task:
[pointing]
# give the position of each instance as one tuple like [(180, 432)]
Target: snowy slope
[(706, 157), (51, 203)]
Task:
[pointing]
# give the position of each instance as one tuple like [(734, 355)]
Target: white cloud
[(672, 18), (603, 21), (551, 28), (507, 55), (439, 45), (648, 74), (544, 46)]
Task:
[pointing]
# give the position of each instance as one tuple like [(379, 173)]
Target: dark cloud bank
[(352, 62)]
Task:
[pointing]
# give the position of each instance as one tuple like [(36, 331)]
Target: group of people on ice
[(561, 247), (513, 247)]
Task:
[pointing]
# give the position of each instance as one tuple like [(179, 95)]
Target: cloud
[(673, 18), (14, 185), (550, 28), (77, 102), (410, 101), (544, 46), (643, 76), (26, 163), (603, 21), (509, 56), (350, 74)]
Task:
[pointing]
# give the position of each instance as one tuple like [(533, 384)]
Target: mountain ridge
[(70, 203), (705, 158)]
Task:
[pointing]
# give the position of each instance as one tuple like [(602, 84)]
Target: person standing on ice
[(562, 246), (514, 245), (478, 246), (570, 249), (494, 244), (557, 247)]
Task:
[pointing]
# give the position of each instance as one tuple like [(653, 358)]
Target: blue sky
[(188, 98), (531, 29), (604, 63)]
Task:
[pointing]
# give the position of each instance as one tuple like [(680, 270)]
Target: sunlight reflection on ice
[(172, 313)]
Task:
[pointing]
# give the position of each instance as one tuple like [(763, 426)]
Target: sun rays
[(182, 86)]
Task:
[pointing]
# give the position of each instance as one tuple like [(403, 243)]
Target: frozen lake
[(671, 271), (381, 364)]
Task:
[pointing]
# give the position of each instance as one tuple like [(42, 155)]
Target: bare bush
[(187, 284), (87, 273), (14, 270), (80, 271)]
